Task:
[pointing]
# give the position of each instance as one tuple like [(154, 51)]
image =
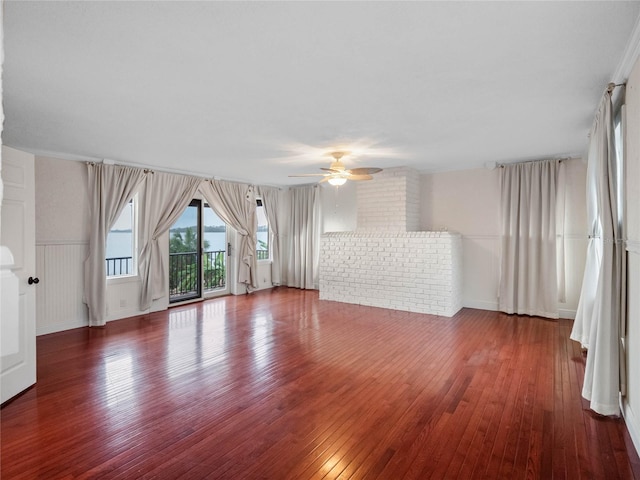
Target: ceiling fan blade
[(310, 175), (325, 179), (364, 171), (332, 170), (360, 177)]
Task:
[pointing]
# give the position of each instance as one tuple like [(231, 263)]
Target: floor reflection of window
[(119, 378), (261, 340), (214, 333), (182, 342), (197, 338)]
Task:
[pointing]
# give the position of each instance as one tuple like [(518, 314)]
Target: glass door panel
[(185, 253), (214, 257)]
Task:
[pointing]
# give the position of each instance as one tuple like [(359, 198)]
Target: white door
[(18, 365)]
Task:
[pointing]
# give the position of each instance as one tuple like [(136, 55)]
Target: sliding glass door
[(197, 254)]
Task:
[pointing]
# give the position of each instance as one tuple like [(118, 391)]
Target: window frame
[(228, 265), (260, 204), (619, 135)]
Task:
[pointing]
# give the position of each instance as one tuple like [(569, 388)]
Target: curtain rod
[(145, 170), (179, 172), (560, 160), (612, 85)]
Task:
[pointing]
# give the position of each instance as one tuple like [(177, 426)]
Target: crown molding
[(631, 54)]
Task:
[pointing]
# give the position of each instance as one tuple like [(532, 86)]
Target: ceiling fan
[(337, 173)]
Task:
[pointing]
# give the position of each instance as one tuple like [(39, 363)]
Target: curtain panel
[(166, 197), (584, 314), (528, 275), (600, 319), (235, 204), (303, 240), (271, 203), (111, 187)]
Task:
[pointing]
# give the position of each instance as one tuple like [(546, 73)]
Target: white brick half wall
[(412, 271), (390, 202)]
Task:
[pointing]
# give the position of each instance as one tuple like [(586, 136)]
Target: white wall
[(62, 215), (468, 202), (631, 404), (62, 239)]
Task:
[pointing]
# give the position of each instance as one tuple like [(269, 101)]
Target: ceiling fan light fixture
[(337, 181), (338, 175)]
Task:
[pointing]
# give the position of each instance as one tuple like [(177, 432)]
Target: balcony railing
[(183, 275), (117, 266), (214, 273)]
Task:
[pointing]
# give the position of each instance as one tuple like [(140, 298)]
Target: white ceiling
[(255, 91)]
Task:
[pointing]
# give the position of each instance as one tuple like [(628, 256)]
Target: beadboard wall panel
[(59, 294)]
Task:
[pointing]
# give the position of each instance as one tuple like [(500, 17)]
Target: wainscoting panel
[(59, 303), (631, 403), (481, 271)]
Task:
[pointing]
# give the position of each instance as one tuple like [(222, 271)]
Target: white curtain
[(303, 240), (111, 187), (528, 276), (582, 323), (599, 323), (166, 196), (235, 204), (561, 263), (271, 204)]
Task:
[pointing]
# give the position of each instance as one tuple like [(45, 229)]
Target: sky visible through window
[(124, 220)]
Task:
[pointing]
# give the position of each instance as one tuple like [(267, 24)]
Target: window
[(120, 249), (262, 246)]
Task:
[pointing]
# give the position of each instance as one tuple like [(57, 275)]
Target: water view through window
[(120, 246), (185, 278)]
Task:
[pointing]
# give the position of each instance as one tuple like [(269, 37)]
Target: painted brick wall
[(390, 202), (412, 271)]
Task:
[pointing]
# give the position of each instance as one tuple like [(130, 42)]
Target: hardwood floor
[(280, 385)]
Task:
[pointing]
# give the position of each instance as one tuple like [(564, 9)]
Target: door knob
[(32, 280)]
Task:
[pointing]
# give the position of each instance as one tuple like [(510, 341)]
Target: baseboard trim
[(564, 313), (632, 424), (60, 327), (480, 305), (493, 306)]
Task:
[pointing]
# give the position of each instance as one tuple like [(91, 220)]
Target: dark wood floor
[(280, 385)]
